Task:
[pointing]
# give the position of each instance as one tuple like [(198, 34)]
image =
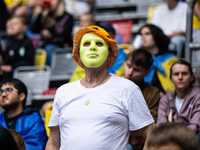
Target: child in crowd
[(15, 47)]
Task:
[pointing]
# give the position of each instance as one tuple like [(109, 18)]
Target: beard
[(12, 106)]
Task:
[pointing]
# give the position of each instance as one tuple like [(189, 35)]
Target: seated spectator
[(137, 67), (156, 42), (55, 26), (182, 105), (172, 136), (173, 16), (87, 19), (11, 140), (15, 47), (17, 116)]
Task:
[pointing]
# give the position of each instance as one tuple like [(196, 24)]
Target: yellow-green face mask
[(94, 50)]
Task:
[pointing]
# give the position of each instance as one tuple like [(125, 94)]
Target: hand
[(6, 68), (46, 34)]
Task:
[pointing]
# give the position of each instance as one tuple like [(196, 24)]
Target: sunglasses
[(7, 91)]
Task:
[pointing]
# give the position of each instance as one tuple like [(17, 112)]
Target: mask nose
[(93, 46)]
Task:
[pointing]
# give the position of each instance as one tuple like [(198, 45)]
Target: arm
[(177, 33), (196, 9), (54, 139), (194, 121), (162, 110)]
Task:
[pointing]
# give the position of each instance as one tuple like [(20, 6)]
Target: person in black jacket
[(55, 26), (15, 48)]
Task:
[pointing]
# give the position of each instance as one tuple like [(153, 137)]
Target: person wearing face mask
[(101, 110)]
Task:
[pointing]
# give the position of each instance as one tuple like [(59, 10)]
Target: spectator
[(11, 140), (100, 110), (15, 47), (19, 117), (118, 66), (55, 26), (7, 140), (172, 136), (87, 19), (156, 42), (173, 16), (137, 67), (182, 105)]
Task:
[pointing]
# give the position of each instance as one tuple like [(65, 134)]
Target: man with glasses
[(17, 116)]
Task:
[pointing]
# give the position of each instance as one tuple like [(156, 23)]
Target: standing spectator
[(118, 66), (100, 110), (156, 42), (15, 48), (55, 26), (172, 136), (171, 18), (182, 105), (17, 116)]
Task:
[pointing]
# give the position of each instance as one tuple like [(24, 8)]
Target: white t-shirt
[(100, 117), (178, 103), (170, 21)]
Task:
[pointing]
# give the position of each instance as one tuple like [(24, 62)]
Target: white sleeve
[(55, 115), (138, 112)]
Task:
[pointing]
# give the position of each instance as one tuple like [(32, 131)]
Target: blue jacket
[(31, 126)]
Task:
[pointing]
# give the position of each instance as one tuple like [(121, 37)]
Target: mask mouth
[(92, 55)]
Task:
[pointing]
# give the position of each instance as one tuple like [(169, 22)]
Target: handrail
[(189, 30)]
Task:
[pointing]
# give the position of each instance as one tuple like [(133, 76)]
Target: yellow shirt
[(10, 2)]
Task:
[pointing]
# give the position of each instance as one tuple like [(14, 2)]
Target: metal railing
[(189, 45)]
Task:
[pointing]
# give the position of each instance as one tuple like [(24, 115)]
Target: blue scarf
[(157, 64)]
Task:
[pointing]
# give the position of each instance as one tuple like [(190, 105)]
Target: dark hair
[(107, 26), (161, 40), (19, 85), (141, 57), (7, 140), (183, 62), (175, 133)]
